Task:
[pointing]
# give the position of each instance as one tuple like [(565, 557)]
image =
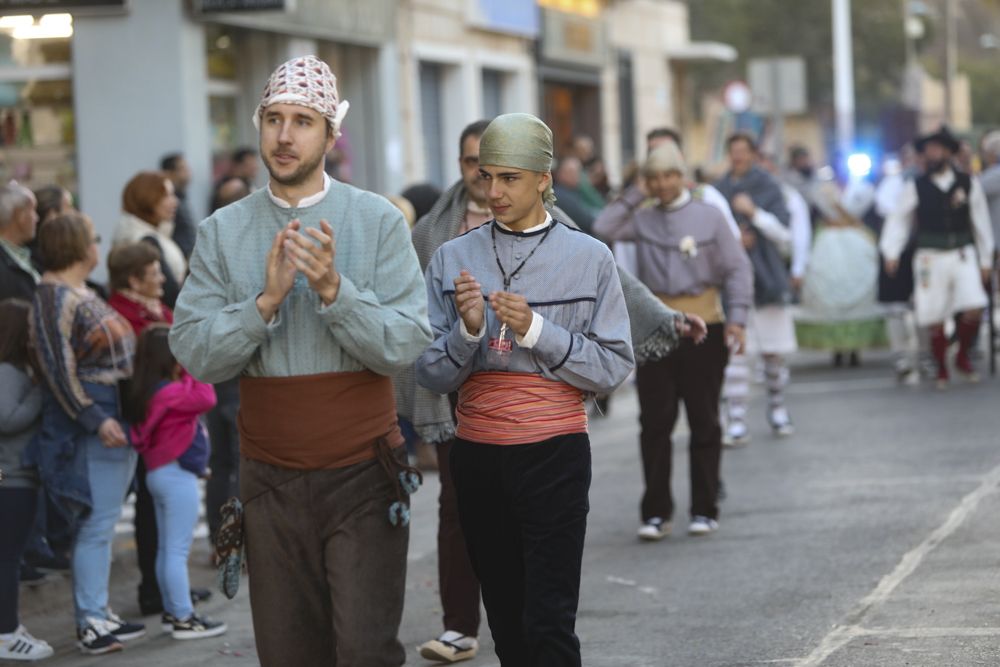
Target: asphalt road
[(870, 537)]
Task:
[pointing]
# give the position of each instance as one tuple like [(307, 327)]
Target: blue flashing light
[(859, 165)]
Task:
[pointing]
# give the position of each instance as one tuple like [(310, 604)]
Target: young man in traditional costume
[(528, 317), (310, 291), (656, 330), (688, 256), (954, 257)]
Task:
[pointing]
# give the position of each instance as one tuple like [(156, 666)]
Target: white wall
[(139, 84)]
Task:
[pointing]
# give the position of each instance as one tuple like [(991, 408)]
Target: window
[(493, 98), (432, 120)]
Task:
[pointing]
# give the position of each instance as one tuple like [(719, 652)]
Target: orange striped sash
[(518, 409)]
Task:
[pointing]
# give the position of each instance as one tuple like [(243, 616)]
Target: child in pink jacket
[(165, 405)]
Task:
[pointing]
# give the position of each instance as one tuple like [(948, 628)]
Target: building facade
[(102, 90)]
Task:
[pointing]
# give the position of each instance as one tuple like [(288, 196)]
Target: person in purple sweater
[(686, 255)]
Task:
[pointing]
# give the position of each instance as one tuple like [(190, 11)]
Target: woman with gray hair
[(686, 255)]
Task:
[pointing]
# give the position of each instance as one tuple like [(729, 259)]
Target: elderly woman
[(83, 350), (149, 206), (687, 255), (136, 281)]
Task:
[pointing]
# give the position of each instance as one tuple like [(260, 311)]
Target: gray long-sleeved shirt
[(378, 322), (571, 284), (683, 250)]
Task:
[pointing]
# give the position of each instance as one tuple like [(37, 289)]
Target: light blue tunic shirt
[(378, 321)]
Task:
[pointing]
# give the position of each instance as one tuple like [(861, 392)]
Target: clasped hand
[(511, 309), (311, 253)]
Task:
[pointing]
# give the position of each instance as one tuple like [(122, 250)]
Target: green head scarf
[(521, 141)]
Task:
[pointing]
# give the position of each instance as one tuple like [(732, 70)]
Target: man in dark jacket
[(185, 228), (764, 221), (18, 222)]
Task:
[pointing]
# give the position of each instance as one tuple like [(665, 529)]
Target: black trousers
[(693, 373), (146, 538), (224, 459), (523, 510), (457, 579), (17, 514)]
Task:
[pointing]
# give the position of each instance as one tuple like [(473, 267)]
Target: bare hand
[(693, 327), (640, 182), (891, 267), (796, 282), (987, 275), (749, 237), (736, 338), (743, 204), (316, 261), (469, 302), (111, 434), (279, 275), (513, 310)]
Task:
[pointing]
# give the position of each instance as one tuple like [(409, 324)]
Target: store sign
[(207, 6), (518, 17), (350, 21), (573, 39), (35, 7)]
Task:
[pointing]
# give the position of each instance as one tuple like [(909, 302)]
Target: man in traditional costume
[(528, 317), (954, 257), (656, 331), (759, 206), (688, 256), (310, 291)]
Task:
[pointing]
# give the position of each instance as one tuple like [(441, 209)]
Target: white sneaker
[(20, 645), (780, 422), (654, 529), (450, 647), (702, 525), (737, 434)]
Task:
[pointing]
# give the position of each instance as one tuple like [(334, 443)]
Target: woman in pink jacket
[(165, 406)]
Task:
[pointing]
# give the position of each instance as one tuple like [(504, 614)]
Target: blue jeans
[(109, 473), (175, 497)]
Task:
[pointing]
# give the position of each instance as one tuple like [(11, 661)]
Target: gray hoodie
[(20, 416)]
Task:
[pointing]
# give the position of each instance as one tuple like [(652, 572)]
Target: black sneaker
[(167, 622), (48, 563), (196, 627), (200, 595), (122, 629), (96, 639), (31, 576)]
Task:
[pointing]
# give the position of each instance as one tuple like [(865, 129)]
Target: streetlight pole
[(950, 60), (843, 75)]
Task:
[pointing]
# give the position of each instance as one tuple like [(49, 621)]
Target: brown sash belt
[(313, 422)]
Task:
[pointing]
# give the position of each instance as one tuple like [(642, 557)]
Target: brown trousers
[(327, 569)]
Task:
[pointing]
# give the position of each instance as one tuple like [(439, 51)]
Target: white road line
[(850, 628), (924, 633)]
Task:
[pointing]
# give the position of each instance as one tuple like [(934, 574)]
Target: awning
[(694, 51)]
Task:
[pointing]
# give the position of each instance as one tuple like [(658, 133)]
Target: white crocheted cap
[(306, 81)]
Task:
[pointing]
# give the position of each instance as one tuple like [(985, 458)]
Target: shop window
[(37, 131)]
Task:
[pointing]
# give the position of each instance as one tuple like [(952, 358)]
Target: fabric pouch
[(229, 547)]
